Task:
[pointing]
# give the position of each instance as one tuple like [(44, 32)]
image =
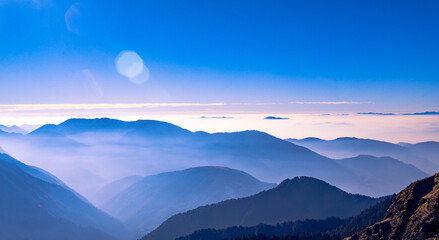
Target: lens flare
[(72, 18), (129, 64)]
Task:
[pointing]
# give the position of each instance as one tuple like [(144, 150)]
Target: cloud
[(329, 103), (275, 118), (38, 107), (215, 117), (335, 114), (393, 114), (333, 123)]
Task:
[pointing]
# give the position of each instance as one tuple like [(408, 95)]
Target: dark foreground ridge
[(414, 214)]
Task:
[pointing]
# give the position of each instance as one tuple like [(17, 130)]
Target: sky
[(245, 59)]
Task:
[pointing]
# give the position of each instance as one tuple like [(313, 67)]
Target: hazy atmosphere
[(214, 120)]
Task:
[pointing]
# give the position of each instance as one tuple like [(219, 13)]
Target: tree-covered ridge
[(329, 228)]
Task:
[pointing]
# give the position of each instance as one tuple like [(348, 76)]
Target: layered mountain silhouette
[(293, 199), (149, 147), (383, 174), (414, 214), (350, 147), (13, 129), (428, 150), (332, 227), (37, 205), (153, 199)]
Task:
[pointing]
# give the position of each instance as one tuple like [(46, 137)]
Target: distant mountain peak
[(13, 129), (83, 125)]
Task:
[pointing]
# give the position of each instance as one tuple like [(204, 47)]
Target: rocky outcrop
[(414, 214)]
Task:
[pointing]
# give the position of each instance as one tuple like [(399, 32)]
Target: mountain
[(110, 190), (293, 199), (383, 174), (347, 147), (77, 126), (282, 229), (428, 150), (38, 173), (13, 129), (332, 226), (153, 199), (146, 147), (35, 205), (414, 214)]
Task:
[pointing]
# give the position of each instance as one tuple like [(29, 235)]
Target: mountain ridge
[(33, 206), (414, 214), (152, 199), (293, 199)]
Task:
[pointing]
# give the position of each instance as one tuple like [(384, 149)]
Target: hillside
[(293, 199), (414, 214), (334, 227), (383, 174), (151, 200), (37, 206)]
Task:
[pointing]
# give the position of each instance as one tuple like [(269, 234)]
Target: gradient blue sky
[(253, 56)]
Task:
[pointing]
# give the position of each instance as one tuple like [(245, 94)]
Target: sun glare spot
[(130, 65)]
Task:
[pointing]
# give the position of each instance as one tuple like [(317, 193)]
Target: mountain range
[(424, 156), (411, 214), (294, 199), (120, 149), (13, 129), (91, 154)]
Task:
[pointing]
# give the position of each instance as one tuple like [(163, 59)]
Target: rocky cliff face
[(414, 214)]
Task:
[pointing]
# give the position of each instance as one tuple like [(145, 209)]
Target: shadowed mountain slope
[(295, 199), (153, 199), (334, 227), (37, 206)]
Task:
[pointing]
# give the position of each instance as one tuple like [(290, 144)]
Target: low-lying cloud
[(330, 103), (216, 117)]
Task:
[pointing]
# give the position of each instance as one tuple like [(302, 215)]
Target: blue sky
[(381, 55)]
